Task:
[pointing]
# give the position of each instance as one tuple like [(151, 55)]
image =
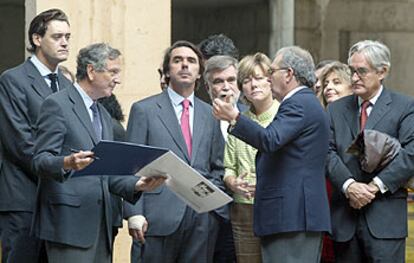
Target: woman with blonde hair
[(239, 157), (335, 83)]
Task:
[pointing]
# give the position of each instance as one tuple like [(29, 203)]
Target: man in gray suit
[(74, 214), (177, 120), (22, 90), (369, 210)]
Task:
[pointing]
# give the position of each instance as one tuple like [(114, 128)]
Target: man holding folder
[(74, 214)]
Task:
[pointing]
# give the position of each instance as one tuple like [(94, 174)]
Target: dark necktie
[(53, 81), (185, 125), (364, 115), (96, 121)]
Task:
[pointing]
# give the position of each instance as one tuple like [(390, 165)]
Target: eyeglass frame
[(271, 71), (361, 72)]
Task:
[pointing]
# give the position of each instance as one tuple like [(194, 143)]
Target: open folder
[(121, 158)]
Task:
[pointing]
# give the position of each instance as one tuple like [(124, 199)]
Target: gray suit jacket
[(22, 90), (69, 209), (153, 122), (392, 114)]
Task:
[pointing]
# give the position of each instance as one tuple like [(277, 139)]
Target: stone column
[(282, 24)]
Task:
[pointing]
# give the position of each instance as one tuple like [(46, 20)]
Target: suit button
[(99, 201)]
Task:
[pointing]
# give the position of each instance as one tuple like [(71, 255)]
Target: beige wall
[(140, 29)]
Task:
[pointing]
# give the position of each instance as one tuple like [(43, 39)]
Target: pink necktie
[(185, 125), (364, 115)]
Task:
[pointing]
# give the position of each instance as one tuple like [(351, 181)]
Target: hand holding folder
[(120, 158)]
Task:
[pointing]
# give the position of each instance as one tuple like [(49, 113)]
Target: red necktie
[(185, 125), (364, 115)]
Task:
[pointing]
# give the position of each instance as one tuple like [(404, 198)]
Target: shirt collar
[(268, 114), (176, 98), (85, 97), (44, 71), (292, 92), (374, 99)]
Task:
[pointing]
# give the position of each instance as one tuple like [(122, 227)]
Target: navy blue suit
[(290, 191)]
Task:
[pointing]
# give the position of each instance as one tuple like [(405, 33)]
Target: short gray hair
[(301, 62), (377, 54), (95, 55), (218, 63)]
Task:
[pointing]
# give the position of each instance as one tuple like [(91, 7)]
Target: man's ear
[(383, 73), (37, 39), (90, 71), (289, 75)]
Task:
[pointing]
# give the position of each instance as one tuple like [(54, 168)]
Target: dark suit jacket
[(290, 191), (22, 90), (392, 114), (69, 210), (153, 122)]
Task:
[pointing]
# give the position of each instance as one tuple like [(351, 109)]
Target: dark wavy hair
[(218, 45), (40, 22)]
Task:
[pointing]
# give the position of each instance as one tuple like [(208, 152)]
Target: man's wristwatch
[(234, 121)]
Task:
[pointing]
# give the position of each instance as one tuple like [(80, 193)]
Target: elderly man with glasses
[(369, 210), (291, 206)]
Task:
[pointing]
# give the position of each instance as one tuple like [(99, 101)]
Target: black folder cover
[(120, 158)]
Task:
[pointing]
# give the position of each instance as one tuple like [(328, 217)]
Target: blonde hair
[(248, 64), (341, 70)]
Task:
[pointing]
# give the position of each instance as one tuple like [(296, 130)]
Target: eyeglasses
[(272, 71), (113, 72), (361, 72)]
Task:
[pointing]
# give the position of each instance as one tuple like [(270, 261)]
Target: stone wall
[(329, 28)]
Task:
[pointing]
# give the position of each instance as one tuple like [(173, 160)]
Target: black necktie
[(96, 121), (53, 81)]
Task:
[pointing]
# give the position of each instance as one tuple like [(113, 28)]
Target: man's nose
[(117, 80), (64, 41), (184, 63)]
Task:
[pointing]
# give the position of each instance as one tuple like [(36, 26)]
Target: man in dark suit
[(74, 214), (22, 90), (369, 210), (291, 207), (177, 120)]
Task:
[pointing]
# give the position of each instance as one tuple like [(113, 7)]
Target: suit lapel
[(381, 107), (170, 122), (200, 119), (82, 113), (351, 115), (38, 83)]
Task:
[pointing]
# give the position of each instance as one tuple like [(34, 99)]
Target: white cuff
[(136, 222), (346, 185), (382, 187)]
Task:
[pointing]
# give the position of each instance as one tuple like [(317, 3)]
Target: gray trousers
[(192, 242), (292, 247), (364, 247), (17, 245)]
